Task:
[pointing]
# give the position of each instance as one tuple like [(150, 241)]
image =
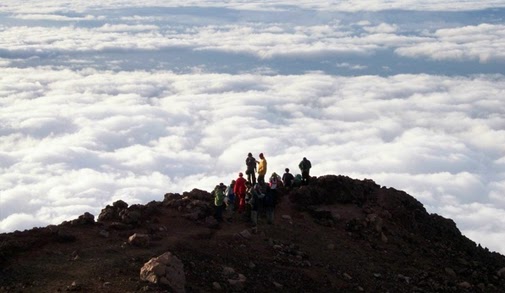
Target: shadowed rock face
[(337, 234)]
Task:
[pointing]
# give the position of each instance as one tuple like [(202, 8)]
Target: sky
[(109, 100)]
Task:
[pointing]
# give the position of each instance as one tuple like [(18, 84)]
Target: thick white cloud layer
[(483, 42), (108, 100), (74, 141)]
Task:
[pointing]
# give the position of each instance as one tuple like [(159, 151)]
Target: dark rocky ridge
[(336, 235)]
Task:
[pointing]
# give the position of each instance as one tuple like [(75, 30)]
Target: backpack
[(274, 181)]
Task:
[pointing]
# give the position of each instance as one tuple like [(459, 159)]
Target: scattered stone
[(75, 286), (165, 269), (371, 217), (246, 234), (228, 271), (277, 285), (252, 265), (384, 238), (501, 272), (331, 246), (286, 217), (347, 276), (361, 289), (104, 233), (482, 287), (465, 285), (450, 272), (139, 240), (405, 278), (238, 284), (217, 286), (336, 216)]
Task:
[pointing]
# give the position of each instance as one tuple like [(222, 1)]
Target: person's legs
[(241, 204), (261, 179), (305, 177), (254, 218), (219, 213), (270, 215), (231, 210)]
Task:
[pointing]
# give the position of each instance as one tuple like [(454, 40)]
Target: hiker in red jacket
[(239, 189)]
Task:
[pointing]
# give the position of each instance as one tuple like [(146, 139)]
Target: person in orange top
[(239, 189)]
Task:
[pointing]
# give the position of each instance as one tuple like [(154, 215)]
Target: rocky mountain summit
[(335, 235)]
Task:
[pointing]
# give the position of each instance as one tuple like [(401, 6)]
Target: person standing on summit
[(305, 168), (239, 189), (262, 169), (250, 162), (287, 179)]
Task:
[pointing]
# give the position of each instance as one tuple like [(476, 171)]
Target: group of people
[(251, 197)]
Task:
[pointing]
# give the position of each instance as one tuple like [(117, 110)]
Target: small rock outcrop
[(196, 204), (167, 270)]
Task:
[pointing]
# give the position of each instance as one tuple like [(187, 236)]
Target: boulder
[(121, 205), (130, 217), (198, 194), (84, 219), (167, 270), (111, 213), (239, 283)]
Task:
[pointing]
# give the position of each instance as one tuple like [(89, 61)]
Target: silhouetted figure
[(288, 179), (305, 166), (250, 162), (230, 200), (218, 201)]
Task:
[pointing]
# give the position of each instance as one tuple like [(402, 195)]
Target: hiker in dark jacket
[(250, 162), (288, 179), (305, 166), (230, 200), (218, 201), (254, 198), (269, 202)]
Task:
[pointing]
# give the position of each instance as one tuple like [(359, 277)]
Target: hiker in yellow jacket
[(262, 169)]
